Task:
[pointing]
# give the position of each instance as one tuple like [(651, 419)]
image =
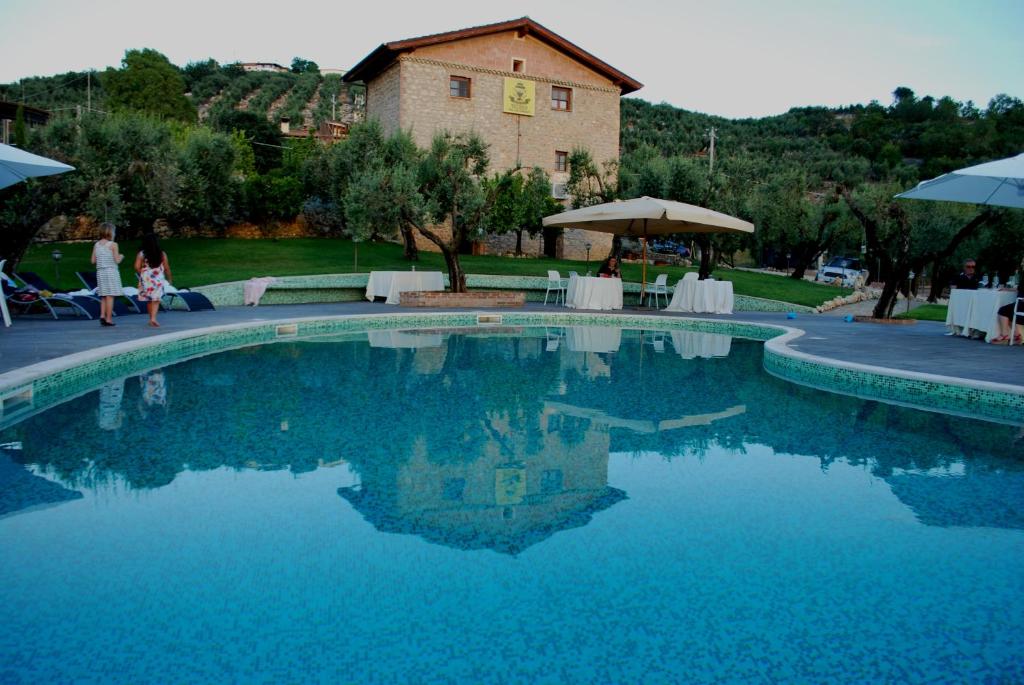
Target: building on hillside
[(530, 93), (327, 132), (262, 66), (32, 116)]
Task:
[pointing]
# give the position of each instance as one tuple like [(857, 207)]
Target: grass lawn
[(926, 312), (202, 261)]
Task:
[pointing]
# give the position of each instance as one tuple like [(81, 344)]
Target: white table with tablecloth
[(589, 292), (390, 284), (708, 296), (977, 310)]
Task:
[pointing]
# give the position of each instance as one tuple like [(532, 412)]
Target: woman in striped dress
[(108, 280)]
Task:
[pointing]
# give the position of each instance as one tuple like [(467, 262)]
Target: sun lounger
[(24, 299), (193, 302), (129, 304)]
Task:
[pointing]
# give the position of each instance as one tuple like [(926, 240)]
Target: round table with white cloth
[(391, 284), (589, 292), (708, 296), (976, 310)]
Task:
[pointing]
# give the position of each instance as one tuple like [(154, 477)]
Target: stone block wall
[(573, 245), (427, 108), (383, 99)]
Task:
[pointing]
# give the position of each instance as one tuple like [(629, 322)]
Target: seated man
[(609, 268), (967, 279)]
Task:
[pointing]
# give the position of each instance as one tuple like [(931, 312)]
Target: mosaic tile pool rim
[(34, 388)]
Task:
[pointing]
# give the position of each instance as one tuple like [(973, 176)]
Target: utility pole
[(712, 134), (88, 90)]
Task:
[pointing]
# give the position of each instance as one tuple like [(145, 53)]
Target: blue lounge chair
[(194, 302), (122, 305), (25, 298)]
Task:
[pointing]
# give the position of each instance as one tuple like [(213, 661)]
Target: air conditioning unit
[(558, 191)]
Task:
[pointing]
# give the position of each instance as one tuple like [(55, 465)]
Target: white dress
[(108, 278)]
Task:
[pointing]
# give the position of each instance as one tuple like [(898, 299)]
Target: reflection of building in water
[(516, 493), (992, 499)]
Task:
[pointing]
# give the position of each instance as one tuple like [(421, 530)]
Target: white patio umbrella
[(16, 165), (645, 216), (992, 183)]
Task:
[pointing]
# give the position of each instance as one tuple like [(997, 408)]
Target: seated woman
[(609, 268), (1006, 329)]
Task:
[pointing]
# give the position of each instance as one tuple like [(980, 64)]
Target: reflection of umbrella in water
[(16, 165), (998, 183), (20, 489), (645, 216), (476, 527)]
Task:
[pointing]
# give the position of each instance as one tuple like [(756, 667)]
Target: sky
[(727, 57)]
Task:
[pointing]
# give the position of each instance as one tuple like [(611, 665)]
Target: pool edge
[(55, 380)]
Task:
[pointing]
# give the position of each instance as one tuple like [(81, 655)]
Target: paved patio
[(921, 347)]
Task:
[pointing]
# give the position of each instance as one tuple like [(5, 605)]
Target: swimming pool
[(570, 504)]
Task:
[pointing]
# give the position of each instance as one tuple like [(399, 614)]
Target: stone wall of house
[(514, 140), (573, 245), (383, 99), (505, 244)]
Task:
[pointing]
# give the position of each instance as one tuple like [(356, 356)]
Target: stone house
[(531, 94)]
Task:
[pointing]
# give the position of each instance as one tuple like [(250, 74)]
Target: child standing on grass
[(154, 273), (108, 280)]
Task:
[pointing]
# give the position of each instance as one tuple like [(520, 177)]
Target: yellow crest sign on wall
[(520, 96), (509, 485)]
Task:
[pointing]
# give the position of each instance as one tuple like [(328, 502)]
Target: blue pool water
[(550, 506)]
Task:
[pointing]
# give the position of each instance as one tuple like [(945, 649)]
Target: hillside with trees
[(198, 149)]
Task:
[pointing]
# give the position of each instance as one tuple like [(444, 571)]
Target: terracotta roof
[(383, 56)]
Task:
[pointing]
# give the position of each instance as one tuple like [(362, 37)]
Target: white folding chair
[(555, 284), (3, 298), (659, 287), (691, 276), (1018, 306)]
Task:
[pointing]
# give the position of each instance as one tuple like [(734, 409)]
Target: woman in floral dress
[(154, 273)]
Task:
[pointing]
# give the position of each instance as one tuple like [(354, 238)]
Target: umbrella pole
[(643, 266)]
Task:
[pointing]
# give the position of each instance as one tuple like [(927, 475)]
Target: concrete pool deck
[(919, 348)]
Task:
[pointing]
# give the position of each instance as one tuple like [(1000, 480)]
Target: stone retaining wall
[(352, 287)]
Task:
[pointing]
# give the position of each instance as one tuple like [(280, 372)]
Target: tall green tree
[(520, 203), (451, 176), (906, 236), (263, 137), (304, 66), (207, 188), (148, 82), (381, 191), (20, 135)]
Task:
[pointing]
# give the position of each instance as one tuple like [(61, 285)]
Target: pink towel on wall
[(255, 287)]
